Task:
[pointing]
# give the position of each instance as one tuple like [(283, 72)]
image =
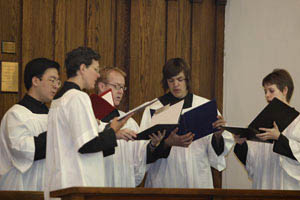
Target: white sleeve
[(292, 167), (146, 119), (219, 162), (82, 121), (251, 158), (19, 140)]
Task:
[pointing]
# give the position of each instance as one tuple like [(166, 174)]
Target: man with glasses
[(122, 169), (24, 127)]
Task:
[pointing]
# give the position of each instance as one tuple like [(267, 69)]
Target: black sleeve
[(218, 146), (40, 146), (241, 151), (105, 141), (159, 152), (282, 147)]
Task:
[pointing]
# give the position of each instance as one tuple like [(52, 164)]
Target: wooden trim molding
[(221, 2), (196, 1)]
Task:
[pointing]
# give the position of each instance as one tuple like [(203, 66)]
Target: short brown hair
[(104, 72), (281, 78), (172, 68)]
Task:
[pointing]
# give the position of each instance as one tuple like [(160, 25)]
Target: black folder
[(144, 135), (276, 111)]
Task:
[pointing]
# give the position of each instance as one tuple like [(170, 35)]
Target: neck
[(32, 92), (77, 80)]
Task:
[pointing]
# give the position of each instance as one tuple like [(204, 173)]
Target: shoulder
[(17, 113), (76, 95)]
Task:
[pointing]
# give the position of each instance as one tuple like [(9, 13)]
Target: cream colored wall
[(260, 35)]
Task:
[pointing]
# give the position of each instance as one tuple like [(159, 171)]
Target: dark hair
[(37, 68), (281, 78), (76, 57), (172, 68)]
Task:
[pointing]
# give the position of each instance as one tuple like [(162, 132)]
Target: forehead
[(51, 72), (180, 75), (270, 86), (116, 77)]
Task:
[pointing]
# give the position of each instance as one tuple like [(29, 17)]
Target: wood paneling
[(122, 44), (178, 29), (219, 54), (10, 30), (147, 50), (138, 36), (203, 47), (70, 29), (37, 31)]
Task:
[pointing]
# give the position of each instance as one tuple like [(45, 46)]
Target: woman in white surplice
[(276, 165), (176, 166)]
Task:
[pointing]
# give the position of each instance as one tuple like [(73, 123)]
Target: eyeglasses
[(54, 81), (116, 86)]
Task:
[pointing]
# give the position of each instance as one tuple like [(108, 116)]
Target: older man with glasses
[(123, 168)]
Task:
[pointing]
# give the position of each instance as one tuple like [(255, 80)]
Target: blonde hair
[(105, 71)]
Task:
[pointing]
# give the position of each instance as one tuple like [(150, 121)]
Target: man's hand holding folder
[(193, 124)]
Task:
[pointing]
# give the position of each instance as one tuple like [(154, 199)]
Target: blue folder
[(199, 120)]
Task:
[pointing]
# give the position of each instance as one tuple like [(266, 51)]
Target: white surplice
[(72, 124), (186, 167), (126, 167), (270, 170), (18, 169)]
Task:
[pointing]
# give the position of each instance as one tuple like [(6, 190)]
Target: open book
[(166, 118), (139, 108), (276, 111), (102, 104), (197, 120)]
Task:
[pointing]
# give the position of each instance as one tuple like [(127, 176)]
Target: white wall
[(260, 35)]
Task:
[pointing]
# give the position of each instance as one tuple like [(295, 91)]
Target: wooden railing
[(21, 195), (83, 193)]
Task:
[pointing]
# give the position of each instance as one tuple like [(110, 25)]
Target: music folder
[(197, 120), (166, 118), (139, 108), (276, 111), (102, 104)]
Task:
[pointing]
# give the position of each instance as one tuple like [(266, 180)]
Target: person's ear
[(101, 86), (35, 81), (82, 68), (285, 91)]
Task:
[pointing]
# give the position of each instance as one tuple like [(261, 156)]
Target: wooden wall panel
[(70, 28), (101, 18), (122, 44), (10, 29), (219, 61), (37, 31), (179, 30), (203, 48), (147, 50)]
